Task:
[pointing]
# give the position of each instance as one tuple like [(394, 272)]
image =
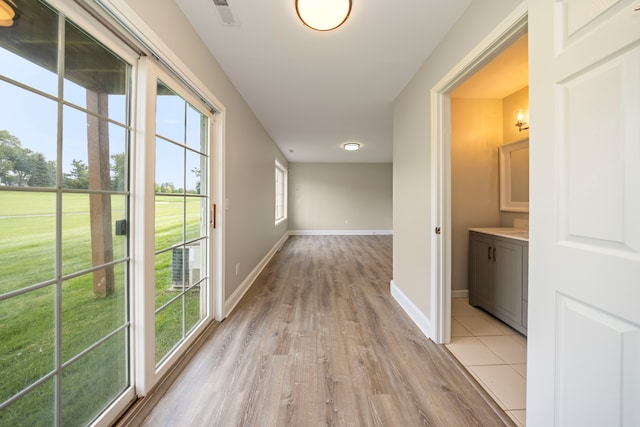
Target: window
[(64, 203), (281, 193), (181, 228)]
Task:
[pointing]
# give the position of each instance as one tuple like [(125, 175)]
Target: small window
[(281, 193)]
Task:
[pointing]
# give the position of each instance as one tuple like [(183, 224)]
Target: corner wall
[(340, 197), (476, 134)]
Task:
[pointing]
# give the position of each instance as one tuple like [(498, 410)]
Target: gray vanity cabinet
[(497, 277)]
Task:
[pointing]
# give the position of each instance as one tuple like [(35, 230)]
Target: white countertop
[(508, 232)]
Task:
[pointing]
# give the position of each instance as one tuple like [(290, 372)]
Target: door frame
[(503, 35)]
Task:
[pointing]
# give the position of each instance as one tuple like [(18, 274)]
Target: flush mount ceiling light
[(323, 15), (351, 146), (7, 13)]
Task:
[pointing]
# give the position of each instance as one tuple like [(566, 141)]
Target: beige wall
[(411, 138), (340, 196), (476, 133), (250, 151), (511, 104)]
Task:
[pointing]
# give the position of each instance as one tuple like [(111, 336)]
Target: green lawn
[(27, 248)]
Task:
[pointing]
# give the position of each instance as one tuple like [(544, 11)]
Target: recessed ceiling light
[(351, 146), (323, 15)]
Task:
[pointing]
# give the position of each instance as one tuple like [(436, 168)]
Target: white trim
[(503, 34), (417, 316), (459, 293), (237, 295), (339, 232)]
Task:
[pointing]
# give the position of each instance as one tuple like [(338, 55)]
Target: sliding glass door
[(64, 203)]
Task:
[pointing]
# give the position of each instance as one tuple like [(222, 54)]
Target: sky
[(34, 121)]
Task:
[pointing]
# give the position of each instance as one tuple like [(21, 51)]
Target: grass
[(27, 353)]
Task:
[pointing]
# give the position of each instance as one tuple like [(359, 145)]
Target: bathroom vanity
[(498, 273)]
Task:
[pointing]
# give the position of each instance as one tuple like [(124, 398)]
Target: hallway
[(318, 340)]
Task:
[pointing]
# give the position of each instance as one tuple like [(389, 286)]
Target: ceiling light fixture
[(7, 13), (323, 15), (351, 146)]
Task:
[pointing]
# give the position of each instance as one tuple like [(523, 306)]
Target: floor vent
[(226, 15)]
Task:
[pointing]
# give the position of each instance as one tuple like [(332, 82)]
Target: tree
[(9, 148), (117, 171), (78, 178), (196, 172), (44, 172)]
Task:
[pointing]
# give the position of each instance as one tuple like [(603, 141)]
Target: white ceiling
[(314, 91)]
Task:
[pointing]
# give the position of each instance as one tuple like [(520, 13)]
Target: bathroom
[(489, 111)]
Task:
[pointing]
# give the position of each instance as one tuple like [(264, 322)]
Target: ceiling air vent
[(225, 12)]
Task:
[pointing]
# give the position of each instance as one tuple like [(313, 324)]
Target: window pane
[(28, 224), (195, 164), (170, 114), (194, 307), (94, 381), (165, 275), (168, 328), (169, 167), (27, 152), (196, 130), (87, 233), (27, 337), (169, 224), (85, 318), (196, 217), (89, 147), (92, 74), (35, 409), (33, 43)]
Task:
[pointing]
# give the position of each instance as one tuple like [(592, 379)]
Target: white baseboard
[(460, 293), (339, 232), (237, 295), (417, 316)]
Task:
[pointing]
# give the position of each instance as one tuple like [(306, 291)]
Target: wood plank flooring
[(319, 341)]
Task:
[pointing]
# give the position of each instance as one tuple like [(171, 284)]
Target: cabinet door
[(480, 266), (507, 281)]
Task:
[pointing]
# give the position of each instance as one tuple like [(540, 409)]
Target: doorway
[(474, 85)]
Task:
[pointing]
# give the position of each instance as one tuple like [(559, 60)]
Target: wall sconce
[(520, 123), (7, 13), (323, 15)]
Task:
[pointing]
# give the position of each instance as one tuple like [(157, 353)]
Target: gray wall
[(340, 196), (250, 151)]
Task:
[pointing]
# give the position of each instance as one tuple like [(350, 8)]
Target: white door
[(584, 292)]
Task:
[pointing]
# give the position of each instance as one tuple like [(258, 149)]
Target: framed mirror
[(514, 176)]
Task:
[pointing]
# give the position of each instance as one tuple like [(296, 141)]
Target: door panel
[(584, 322)]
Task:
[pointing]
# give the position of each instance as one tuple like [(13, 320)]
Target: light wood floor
[(319, 341)]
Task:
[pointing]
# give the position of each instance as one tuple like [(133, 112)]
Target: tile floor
[(494, 353)]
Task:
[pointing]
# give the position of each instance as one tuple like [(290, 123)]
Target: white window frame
[(145, 73), (88, 24), (281, 190)]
